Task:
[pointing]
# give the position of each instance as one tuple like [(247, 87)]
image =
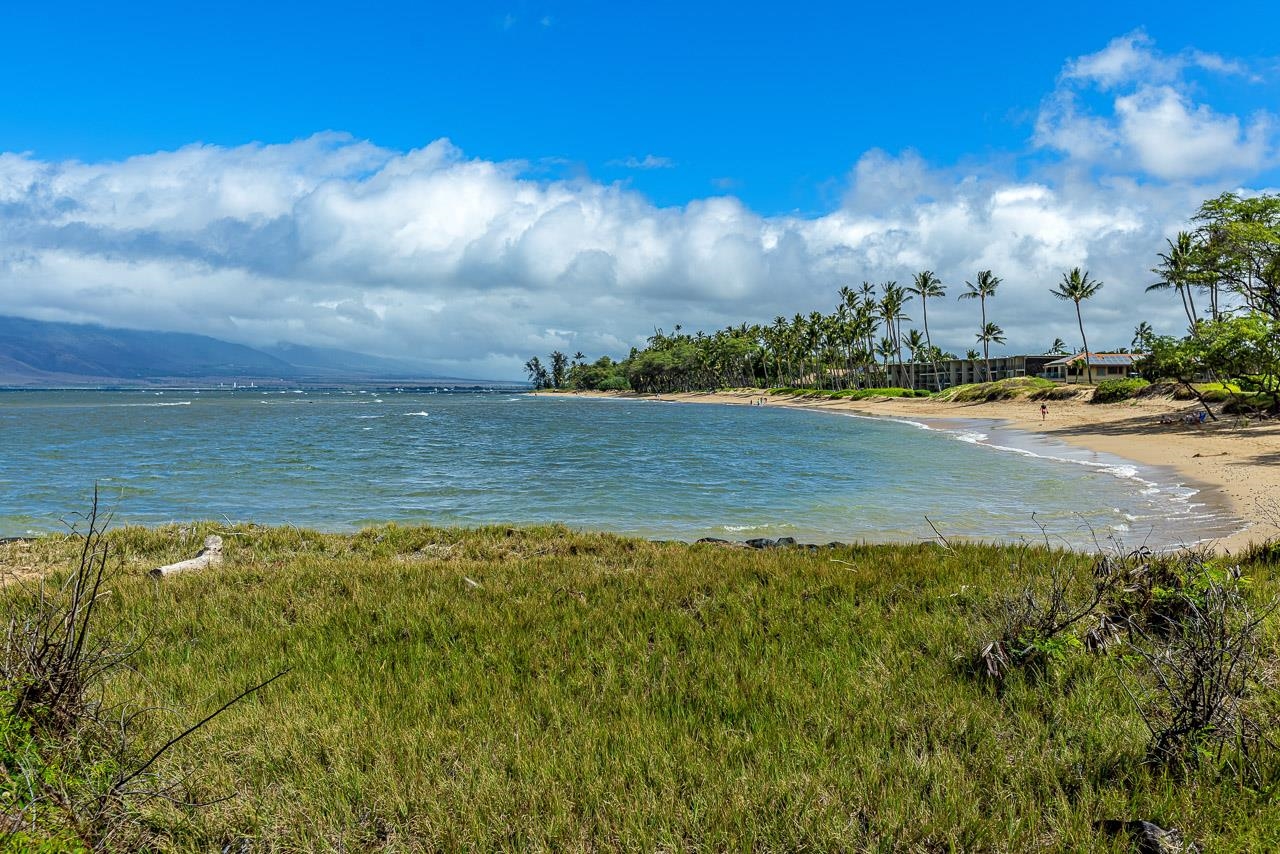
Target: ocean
[(339, 460)]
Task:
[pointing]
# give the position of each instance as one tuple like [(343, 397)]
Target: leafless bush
[(1191, 673), (76, 765), (1035, 626), (52, 656)]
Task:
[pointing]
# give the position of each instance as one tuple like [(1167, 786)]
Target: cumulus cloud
[(473, 265), (1148, 121)]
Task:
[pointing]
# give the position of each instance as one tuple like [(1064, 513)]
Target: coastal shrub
[(1115, 390), (1251, 403), (614, 383)]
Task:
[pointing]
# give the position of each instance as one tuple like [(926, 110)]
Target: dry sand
[(1236, 463)]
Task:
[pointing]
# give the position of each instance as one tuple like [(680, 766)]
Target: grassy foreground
[(531, 689)]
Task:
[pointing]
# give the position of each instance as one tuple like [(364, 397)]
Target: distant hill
[(328, 360), (34, 352)]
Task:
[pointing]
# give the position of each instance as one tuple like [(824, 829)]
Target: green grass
[(602, 693)]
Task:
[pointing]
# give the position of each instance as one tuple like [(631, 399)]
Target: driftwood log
[(210, 555)]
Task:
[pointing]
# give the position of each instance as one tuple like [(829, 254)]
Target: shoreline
[(1236, 467)]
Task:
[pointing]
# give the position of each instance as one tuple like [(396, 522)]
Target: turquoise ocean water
[(340, 460)]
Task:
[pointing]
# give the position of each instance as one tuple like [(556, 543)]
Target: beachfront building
[(964, 371), (1102, 365)]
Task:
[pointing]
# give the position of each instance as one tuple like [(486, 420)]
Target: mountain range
[(44, 354)]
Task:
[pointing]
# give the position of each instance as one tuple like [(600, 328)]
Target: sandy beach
[(1236, 463)]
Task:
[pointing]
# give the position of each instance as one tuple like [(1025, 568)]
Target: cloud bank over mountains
[(475, 265)]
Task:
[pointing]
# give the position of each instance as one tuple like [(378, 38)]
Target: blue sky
[(829, 128)]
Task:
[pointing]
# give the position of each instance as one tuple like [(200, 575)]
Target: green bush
[(615, 384), (1113, 391)]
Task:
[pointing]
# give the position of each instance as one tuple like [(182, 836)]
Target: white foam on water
[(371, 416), (423, 414), (174, 403)]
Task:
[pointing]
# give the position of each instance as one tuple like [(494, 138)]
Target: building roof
[(1100, 360)]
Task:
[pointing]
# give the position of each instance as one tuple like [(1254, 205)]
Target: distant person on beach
[(1044, 411)]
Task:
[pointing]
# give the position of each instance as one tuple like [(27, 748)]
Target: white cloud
[(475, 265), (1173, 138), (1149, 122), (649, 161)]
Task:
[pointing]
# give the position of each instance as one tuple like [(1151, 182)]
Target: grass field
[(540, 689)]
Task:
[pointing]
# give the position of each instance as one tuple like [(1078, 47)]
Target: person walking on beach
[(1044, 411)]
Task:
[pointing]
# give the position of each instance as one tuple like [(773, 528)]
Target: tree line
[(1229, 263)]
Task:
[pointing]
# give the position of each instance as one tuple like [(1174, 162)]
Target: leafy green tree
[(1077, 287), (1058, 347), (1238, 249)]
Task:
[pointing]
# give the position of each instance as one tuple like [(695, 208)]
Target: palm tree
[(1142, 336), (919, 348), (891, 305), (985, 287), (1078, 287), (926, 285), (988, 334), (1058, 347), (1177, 270), (972, 355)]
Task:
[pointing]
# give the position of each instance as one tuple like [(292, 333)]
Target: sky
[(467, 185)]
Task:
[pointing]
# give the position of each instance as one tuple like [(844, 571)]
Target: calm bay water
[(340, 460)]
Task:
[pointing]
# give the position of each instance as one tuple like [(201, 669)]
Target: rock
[(761, 543), (1147, 837), (835, 544), (785, 541), (716, 541)]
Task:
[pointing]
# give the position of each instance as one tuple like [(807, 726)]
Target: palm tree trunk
[(986, 348), (1088, 369)]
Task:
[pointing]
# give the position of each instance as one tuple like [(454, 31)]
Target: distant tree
[(1178, 271), (538, 375), (918, 348), (982, 290), (559, 369), (924, 285), (990, 333), (1077, 287), (1142, 336), (1058, 347), (972, 355)]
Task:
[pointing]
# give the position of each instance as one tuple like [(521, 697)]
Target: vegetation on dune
[(850, 394), (540, 688), (1116, 390), (1015, 388)]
